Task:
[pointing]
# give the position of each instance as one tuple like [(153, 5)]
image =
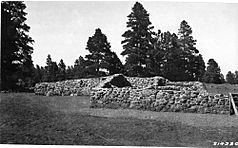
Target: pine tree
[(54, 73), (90, 70), (62, 71), (236, 77), (38, 74), (194, 65), (213, 73), (16, 62), (138, 41), (101, 59), (230, 77), (80, 68), (113, 63), (97, 45), (173, 64), (69, 73), (48, 69), (154, 60), (197, 67), (186, 39)]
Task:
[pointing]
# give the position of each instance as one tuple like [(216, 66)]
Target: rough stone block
[(117, 80)]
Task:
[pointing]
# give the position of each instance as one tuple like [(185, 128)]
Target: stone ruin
[(78, 87), (154, 94)]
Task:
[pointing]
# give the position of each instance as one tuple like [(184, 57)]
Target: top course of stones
[(79, 87)]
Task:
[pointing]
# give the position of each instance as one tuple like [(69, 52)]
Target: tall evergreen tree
[(113, 63), (16, 61), (138, 41), (187, 42), (173, 64), (48, 69), (69, 73), (197, 68), (61, 75), (194, 65), (213, 73), (38, 74), (54, 73), (155, 57), (101, 59), (80, 70), (97, 45)]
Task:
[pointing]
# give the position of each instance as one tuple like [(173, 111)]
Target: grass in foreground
[(29, 119)]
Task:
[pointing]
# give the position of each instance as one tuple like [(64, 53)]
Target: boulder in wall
[(116, 80)]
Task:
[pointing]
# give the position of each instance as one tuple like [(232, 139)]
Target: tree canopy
[(16, 64), (213, 73), (137, 42), (101, 58), (232, 78), (147, 53)]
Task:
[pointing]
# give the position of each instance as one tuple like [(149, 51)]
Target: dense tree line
[(232, 78), (51, 72), (148, 53), (171, 55)]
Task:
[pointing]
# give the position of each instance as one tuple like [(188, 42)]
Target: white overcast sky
[(62, 28)]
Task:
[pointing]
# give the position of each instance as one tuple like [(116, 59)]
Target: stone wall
[(155, 94), (174, 97), (79, 87), (153, 82), (82, 87)]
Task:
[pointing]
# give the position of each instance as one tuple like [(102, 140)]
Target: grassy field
[(221, 88), (29, 119)]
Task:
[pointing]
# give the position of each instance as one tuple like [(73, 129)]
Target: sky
[(62, 28)]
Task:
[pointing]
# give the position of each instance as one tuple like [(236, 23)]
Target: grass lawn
[(29, 119), (221, 88)]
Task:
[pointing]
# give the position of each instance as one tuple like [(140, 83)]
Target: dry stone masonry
[(155, 94), (80, 87)]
